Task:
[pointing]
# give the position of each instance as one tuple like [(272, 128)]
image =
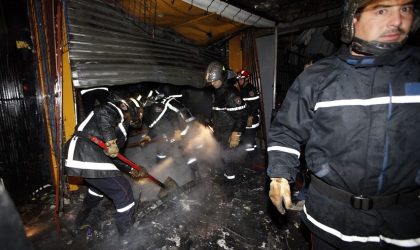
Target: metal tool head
[(169, 186)]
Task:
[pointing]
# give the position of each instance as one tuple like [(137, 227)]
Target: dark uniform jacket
[(229, 112), (165, 116), (251, 96), (360, 120), (199, 102), (86, 159)]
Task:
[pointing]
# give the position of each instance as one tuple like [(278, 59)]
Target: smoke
[(200, 142), (198, 148), (178, 218)]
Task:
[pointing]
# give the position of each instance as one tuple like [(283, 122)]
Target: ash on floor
[(208, 213)]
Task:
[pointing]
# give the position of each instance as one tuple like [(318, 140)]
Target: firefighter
[(167, 121), (251, 97), (229, 116), (358, 112), (101, 169)]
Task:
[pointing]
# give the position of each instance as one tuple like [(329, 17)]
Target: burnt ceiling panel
[(284, 11)]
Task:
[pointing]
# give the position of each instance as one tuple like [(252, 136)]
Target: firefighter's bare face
[(385, 21), (216, 84)]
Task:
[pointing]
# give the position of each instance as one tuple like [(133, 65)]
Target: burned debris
[(206, 214)]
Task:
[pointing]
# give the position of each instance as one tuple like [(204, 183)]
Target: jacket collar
[(388, 59)]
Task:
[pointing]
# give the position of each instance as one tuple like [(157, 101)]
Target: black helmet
[(351, 7), (132, 106), (347, 27), (135, 109), (215, 71)]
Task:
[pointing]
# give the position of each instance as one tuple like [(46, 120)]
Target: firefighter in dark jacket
[(167, 121), (251, 97), (358, 112), (99, 168), (228, 117)]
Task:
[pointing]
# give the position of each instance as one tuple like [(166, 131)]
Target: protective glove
[(177, 135), (144, 140), (280, 193), (249, 121), (234, 139), (134, 173), (111, 148)]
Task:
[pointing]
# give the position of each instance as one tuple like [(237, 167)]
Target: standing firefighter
[(251, 96), (229, 115), (99, 168), (358, 112)]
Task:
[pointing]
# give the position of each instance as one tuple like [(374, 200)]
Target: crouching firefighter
[(167, 121), (100, 168)]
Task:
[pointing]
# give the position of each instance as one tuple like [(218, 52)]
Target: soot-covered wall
[(24, 166)]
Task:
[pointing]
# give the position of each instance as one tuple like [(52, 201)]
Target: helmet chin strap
[(373, 48)]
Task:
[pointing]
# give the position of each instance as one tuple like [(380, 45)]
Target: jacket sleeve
[(252, 100), (121, 165), (153, 113), (106, 122), (289, 130), (237, 109), (184, 116)]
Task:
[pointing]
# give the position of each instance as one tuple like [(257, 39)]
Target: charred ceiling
[(284, 11), (205, 22)]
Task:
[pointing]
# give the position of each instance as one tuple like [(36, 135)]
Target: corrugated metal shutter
[(107, 48)]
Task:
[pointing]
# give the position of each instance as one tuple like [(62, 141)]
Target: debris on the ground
[(206, 214)]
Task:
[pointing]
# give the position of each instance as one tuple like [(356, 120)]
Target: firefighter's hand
[(111, 148), (134, 173), (144, 140), (249, 121), (177, 135), (234, 139), (280, 193)]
